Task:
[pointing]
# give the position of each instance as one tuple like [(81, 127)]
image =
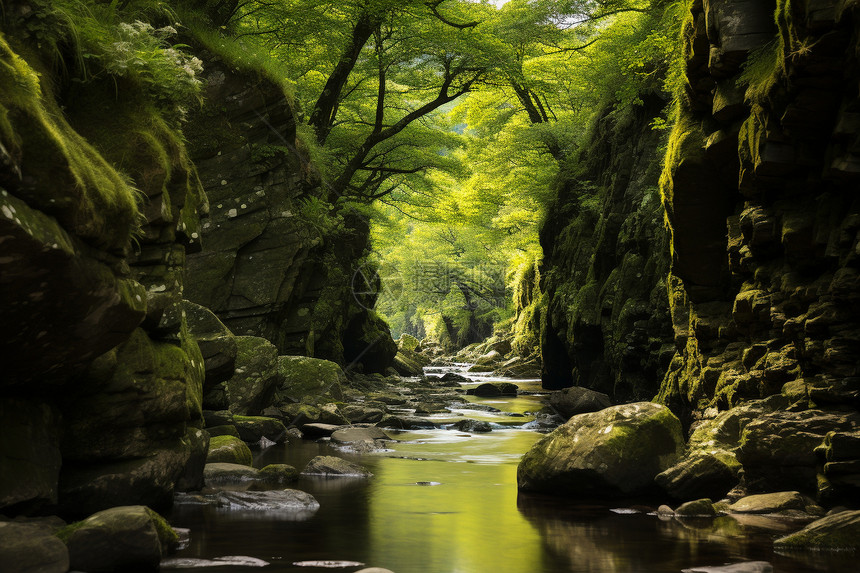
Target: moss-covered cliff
[(605, 324)]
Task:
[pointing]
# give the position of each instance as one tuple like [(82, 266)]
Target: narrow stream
[(444, 501)]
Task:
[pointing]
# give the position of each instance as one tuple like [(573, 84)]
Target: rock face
[(106, 379), (611, 453), (27, 548), (760, 195), (606, 257), (267, 270)]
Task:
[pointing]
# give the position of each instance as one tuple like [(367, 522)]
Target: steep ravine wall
[(106, 231), (760, 189), (101, 387), (270, 265), (606, 323)]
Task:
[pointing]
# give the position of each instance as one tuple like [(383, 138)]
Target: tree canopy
[(453, 119)]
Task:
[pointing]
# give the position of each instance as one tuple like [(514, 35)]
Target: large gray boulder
[(611, 453)]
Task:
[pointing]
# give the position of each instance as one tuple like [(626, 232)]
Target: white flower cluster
[(145, 53)]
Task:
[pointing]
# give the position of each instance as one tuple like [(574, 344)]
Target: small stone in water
[(624, 511), (328, 564), (232, 560)]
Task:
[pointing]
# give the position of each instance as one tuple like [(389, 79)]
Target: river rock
[(399, 422), (313, 431), (704, 475), (330, 466), (485, 390), (770, 503), (126, 538), (746, 567), (614, 452), (490, 357), (453, 377), (472, 426), (697, 508), (577, 400), (252, 429), (214, 418), (374, 570), (840, 531), (358, 434), (26, 548), (223, 431), (303, 376), (359, 413), (267, 501), (215, 474), (227, 449), (278, 474)]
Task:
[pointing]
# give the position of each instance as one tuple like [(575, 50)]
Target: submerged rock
[(747, 567), (264, 501), (614, 452), (473, 426), (127, 538), (330, 466), (837, 532)]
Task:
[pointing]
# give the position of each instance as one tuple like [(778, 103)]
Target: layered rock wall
[(102, 386), (760, 190)]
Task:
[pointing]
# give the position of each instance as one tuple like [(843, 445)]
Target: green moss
[(166, 535), (229, 449), (240, 55), (65, 533), (70, 179)]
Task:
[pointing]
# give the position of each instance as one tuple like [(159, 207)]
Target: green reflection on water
[(464, 524)]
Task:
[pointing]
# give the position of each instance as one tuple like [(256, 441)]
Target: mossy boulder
[(227, 449), (302, 377), (125, 538), (611, 453), (256, 377), (217, 344), (837, 532), (252, 429), (697, 508), (407, 342)]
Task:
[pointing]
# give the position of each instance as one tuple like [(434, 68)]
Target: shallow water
[(442, 501)]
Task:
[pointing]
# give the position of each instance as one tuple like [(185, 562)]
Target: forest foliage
[(447, 123)]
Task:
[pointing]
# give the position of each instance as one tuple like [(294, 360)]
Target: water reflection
[(593, 538)]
